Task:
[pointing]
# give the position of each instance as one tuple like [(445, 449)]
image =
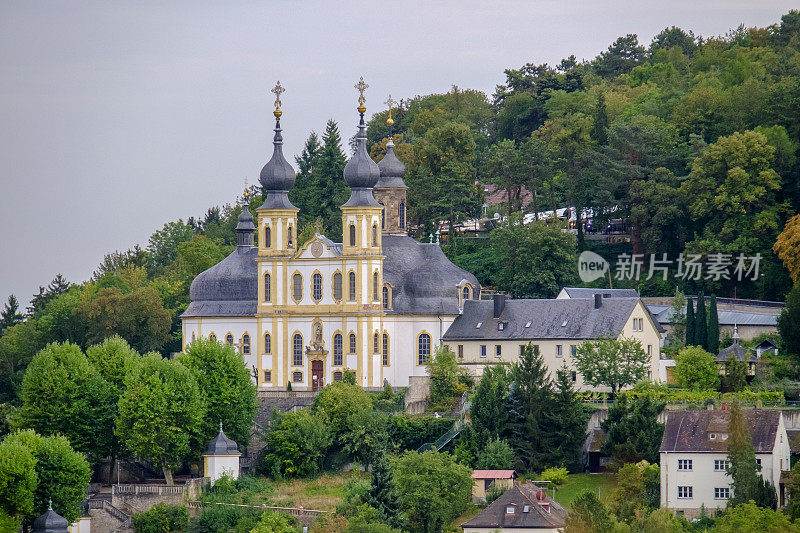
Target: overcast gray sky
[(116, 117)]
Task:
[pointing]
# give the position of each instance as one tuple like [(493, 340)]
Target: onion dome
[(392, 170), (361, 173), (245, 227), (277, 176), (221, 445), (50, 522)]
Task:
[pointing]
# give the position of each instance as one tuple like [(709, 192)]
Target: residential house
[(694, 457), (502, 479), (521, 509)]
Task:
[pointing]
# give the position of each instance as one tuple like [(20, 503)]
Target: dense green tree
[(303, 192), (735, 378), (161, 413), (111, 359), (228, 391), (530, 258), (10, 315), (58, 286), (599, 133), (331, 190), (488, 413), (713, 326), (274, 522), (787, 247), (433, 489), (504, 168), (674, 36), (750, 517), (637, 491), (163, 245), (18, 480), (620, 57), (589, 514), (59, 320), (495, 455), (448, 379), (614, 363), (566, 430), (690, 323), (696, 369), (789, 324), (701, 323), (296, 444), (382, 493), (634, 432), (18, 345), (62, 393), (340, 405), (744, 470), (793, 487)]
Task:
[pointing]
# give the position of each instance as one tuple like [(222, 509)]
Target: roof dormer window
[(478, 325), (717, 436), (501, 326), (564, 324), (527, 324), (511, 509)]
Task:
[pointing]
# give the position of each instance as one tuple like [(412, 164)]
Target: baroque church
[(376, 304)]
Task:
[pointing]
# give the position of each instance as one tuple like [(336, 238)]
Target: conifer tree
[(746, 483), (303, 192), (599, 133), (10, 315), (713, 326), (382, 494), (566, 430), (690, 323), (701, 324), (331, 190)]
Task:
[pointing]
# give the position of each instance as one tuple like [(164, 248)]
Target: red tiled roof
[(492, 474)]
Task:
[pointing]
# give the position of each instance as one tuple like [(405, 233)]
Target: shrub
[(224, 485), (557, 476), (161, 518), (217, 518)]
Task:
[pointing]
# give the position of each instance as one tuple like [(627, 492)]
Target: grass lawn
[(322, 493), (577, 483)]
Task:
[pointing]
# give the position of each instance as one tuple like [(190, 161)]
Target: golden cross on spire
[(389, 103), (361, 86), (246, 190), (278, 90)]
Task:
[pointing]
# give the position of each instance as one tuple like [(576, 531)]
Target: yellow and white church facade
[(376, 304)]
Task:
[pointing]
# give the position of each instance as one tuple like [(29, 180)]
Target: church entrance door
[(316, 374)]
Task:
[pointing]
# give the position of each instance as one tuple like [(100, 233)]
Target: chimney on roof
[(598, 300), (499, 304)]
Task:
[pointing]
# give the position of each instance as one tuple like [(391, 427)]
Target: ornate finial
[(278, 90), (361, 86), (220, 426), (50, 504), (389, 103), (246, 190)]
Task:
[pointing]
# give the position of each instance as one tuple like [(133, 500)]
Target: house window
[(316, 280), (717, 436), (758, 462), (720, 465), (246, 344), (649, 350), (352, 235), (574, 376), (229, 339), (267, 343), (267, 288), (684, 464), (423, 348), (289, 237), (212, 337), (352, 343), (573, 350), (402, 214), (375, 348), (267, 237), (386, 299), (465, 294), (483, 350), (498, 350), (374, 235), (385, 350), (559, 350), (511, 509), (461, 351), (722, 493), (352, 287), (521, 350), (338, 349), (297, 350), (684, 492), (297, 287), (297, 377), (337, 286), (268, 376), (375, 287), (337, 376)]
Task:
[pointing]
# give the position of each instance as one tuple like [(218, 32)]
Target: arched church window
[(246, 344), (386, 298), (267, 237), (297, 287), (423, 349), (267, 343), (316, 286), (374, 235), (297, 350), (289, 236), (352, 235), (402, 214), (267, 288), (352, 287), (337, 286), (375, 287), (352, 343), (383, 218), (465, 294), (375, 346), (338, 350), (385, 350), (212, 337), (229, 339)]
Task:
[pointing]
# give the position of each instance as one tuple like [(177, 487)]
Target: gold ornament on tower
[(278, 90), (361, 86)]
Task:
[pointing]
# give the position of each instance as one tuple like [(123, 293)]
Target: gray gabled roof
[(545, 319), (738, 351), (688, 431), (529, 512), (588, 292)]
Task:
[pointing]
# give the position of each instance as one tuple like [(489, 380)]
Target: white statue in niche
[(317, 343)]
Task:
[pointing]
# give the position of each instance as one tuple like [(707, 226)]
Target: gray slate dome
[(50, 522), (277, 176), (245, 226), (424, 281), (392, 170), (221, 445), (361, 173), (229, 288)]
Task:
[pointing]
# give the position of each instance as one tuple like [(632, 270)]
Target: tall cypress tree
[(746, 483), (690, 325), (701, 323), (330, 188), (566, 430), (713, 326), (599, 132), (382, 494)]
